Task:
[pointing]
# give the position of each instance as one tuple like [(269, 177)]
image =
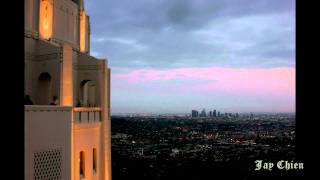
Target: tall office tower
[(203, 113), (214, 114), (210, 113), (67, 116), (219, 114), (251, 116), (194, 113)]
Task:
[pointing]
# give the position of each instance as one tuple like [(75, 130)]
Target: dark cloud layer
[(198, 33)]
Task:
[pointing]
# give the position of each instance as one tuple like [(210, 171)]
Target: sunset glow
[(45, 19), (273, 82), (82, 31), (273, 86)]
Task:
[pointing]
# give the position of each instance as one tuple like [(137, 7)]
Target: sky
[(172, 56)]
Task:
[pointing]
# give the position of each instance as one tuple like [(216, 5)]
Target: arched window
[(92, 96), (87, 93), (44, 91), (76, 1)]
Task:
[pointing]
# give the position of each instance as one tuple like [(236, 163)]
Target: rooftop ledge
[(46, 108), (60, 108), (80, 114), (86, 109)]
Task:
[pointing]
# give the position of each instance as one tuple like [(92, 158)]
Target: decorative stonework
[(61, 41), (87, 114), (39, 108), (64, 8), (31, 34), (89, 67), (43, 57), (86, 109), (47, 164), (46, 57)]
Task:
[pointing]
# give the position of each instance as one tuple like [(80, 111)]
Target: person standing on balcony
[(27, 100), (78, 103), (55, 101)]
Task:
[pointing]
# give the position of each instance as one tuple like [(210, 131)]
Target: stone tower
[(67, 125)]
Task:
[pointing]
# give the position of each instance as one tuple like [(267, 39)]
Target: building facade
[(203, 113), (194, 113), (67, 125)]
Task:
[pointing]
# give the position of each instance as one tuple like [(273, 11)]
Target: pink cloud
[(271, 82)]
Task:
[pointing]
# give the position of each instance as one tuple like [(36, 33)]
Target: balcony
[(80, 114), (87, 114)]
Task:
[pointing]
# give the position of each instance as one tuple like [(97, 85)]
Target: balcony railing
[(87, 114)]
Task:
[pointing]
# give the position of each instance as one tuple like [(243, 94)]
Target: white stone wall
[(66, 22), (48, 128)]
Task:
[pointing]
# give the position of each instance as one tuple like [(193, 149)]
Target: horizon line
[(247, 112)]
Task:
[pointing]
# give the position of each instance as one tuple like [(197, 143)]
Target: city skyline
[(174, 56)]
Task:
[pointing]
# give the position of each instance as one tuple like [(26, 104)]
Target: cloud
[(176, 55), (130, 43), (172, 34)]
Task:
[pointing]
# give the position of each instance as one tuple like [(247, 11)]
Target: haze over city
[(174, 56)]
